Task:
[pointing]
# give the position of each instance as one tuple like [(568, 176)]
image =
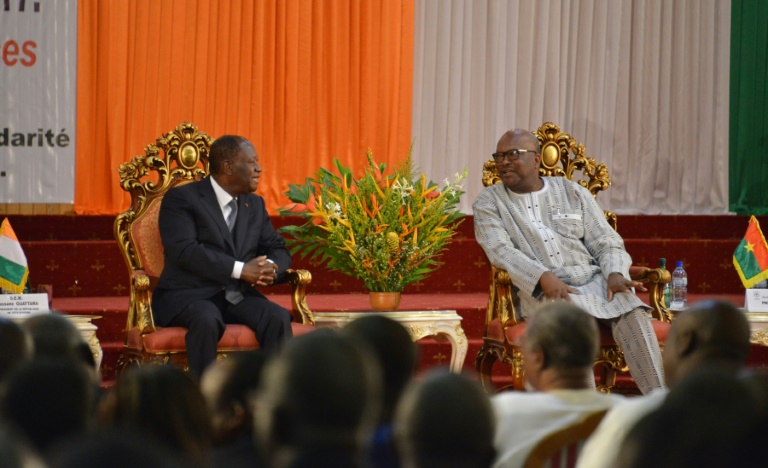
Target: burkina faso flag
[(751, 256)]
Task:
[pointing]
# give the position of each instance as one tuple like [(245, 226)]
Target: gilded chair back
[(561, 448), (179, 156)]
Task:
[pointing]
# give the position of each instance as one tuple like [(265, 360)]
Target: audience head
[(709, 418), (113, 449), (395, 351), (519, 171), (163, 403), (561, 343), (15, 452), (320, 393), (48, 399), (757, 381), (16, 346), (227, 386), (709, 332), (445, 420), (54, 336)]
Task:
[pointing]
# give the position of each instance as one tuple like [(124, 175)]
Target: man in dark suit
[(219, 243)]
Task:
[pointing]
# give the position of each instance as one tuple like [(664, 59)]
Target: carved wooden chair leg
[(608, 382), (484, 366)]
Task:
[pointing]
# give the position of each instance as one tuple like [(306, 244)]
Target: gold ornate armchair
[(561, 156), (147, 178)]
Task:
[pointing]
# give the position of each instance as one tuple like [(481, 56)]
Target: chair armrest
[(501, 300), (140, 308), (656, 278), (299, 279)]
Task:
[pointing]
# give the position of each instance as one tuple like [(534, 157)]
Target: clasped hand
[(259, 272)]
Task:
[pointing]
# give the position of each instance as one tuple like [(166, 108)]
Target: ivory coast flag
[(751, 256), (13, 263)]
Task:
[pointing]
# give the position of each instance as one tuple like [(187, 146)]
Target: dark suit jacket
[(200, 252)]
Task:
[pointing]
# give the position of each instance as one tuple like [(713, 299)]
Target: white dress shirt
[(224, 198)]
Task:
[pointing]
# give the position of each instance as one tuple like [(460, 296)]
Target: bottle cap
[(679, 263), (662, 262)]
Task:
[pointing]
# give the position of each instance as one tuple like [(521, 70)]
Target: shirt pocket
[(569, 225)]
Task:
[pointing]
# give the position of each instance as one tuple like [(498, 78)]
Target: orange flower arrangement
[(385, 229)]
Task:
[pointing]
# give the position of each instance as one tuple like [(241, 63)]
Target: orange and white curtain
[(642, 83)]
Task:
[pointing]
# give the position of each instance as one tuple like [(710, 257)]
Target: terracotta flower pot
[(384, 301)]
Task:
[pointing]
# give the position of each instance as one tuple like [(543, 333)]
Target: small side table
[(88, 330), (419, 323)]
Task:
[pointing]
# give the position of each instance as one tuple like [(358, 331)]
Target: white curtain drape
[(643, 84)]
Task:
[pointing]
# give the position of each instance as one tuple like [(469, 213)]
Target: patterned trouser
[(634, 334)]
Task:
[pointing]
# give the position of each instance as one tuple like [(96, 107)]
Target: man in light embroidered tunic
[(552, 238)]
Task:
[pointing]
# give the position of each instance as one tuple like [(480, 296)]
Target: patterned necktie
[(232, 214)]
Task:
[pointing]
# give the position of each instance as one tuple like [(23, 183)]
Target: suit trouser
[(206, 320), (635, 337)]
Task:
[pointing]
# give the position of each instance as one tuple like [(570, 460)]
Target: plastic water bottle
[(667, 289), (679, 287)]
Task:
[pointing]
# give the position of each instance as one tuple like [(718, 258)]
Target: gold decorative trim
[(558, 147), (760, 337), (299, 280), (518, 371), (612, 358), (167, 171), (490, 174)]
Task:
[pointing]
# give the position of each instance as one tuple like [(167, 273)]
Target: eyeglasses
[(511, 155)]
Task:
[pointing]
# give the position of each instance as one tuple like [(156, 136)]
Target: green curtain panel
[(748, 163)]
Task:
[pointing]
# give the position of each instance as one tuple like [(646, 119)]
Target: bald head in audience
[(709, 332)]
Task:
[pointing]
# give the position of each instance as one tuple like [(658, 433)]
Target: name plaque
[(23, 305), (756, 300)]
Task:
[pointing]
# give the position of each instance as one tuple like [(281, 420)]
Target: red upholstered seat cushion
[(171, 339), (515, 333), (301, 329)]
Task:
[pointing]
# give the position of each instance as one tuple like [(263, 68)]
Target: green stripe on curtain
[(748, 162)]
